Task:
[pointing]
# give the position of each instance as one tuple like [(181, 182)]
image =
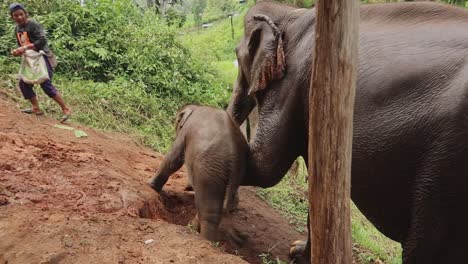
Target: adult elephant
[(410, 145)]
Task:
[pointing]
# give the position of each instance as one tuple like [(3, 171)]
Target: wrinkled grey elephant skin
[(214, 151), (410, 145)]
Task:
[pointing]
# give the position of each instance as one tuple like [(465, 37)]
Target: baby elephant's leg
[(232, 202), (158, 181), (231, 232), (173, 160), (209, 200)]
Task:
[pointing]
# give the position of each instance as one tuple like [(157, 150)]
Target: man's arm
[(38, 35)]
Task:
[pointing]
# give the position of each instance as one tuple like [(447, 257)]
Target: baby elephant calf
[(214, 152)]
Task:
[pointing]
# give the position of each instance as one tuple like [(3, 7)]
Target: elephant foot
[(154, 186), (299, 252), (237, 236)]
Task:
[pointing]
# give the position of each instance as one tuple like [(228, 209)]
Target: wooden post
[(331, 104)]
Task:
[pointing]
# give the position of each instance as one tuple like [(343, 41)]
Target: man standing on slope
[(30, 35)]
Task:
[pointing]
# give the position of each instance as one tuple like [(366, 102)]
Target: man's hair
[(15, 7)]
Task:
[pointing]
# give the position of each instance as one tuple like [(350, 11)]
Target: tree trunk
[(331, 105), (163, 7)]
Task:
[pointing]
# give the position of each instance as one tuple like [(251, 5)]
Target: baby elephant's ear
[(182, 117)]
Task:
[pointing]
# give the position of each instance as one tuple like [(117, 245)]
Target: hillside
[(82, 200)]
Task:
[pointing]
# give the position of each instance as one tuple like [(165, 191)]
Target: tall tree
[(331, 103)]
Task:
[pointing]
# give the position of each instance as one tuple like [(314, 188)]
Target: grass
[(370, 245), (288, 197), (216, 45), (268, 259), (119, 105)]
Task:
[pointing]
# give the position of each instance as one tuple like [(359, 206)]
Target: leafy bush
[(129, 57)]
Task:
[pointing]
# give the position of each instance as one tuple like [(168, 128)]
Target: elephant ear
[(182, 117), (266, 53)]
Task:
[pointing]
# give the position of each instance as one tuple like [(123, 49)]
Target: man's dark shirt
[(32, 33)]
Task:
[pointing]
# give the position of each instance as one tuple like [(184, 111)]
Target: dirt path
[(70, 200)]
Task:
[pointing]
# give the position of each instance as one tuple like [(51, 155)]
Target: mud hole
[(179, 208), (173, 207)]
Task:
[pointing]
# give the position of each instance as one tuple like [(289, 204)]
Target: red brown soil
[(85, 200)]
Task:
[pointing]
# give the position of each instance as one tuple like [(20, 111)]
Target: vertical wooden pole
[(331, 104)]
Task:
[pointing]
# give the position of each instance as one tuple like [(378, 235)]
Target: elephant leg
[(300, 249), (234, 202), (232, 233), (455, 248), (209, 200), (173, 160), (235, 179), (189, 185), (424, 241), (428, 228)]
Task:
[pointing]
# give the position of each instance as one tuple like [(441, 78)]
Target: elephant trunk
[(271, 154), (240, 103), (263, 172), (239, 109)]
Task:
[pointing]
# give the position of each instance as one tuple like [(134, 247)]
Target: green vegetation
[(289, 198), (198, 12), (268, 259), (369, 243), (120, 67), (215, 46)]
